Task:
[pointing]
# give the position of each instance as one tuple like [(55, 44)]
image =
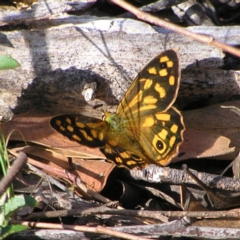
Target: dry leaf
[(219, 199), (216, 119), (189, 202), (34, 127), (199, 144), (212, 131), (236, 166), (93, 173), (54, 149)]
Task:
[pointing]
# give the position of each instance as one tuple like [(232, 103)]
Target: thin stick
[(158, 215), (12, 171), (97, 229)]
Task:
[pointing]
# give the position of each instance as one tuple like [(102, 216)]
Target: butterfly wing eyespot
[(163, 65), (146, 127), (159, 145)]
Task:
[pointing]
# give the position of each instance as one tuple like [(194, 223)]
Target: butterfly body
[(145, 129)]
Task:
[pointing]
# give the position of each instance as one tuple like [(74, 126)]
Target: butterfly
[(146, 128)]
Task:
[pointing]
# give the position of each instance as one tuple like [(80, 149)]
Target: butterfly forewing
[(147, 108), (88, 131), (155, 87), (94, 132)]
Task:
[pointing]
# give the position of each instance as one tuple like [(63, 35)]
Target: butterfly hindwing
[(161, 134), (122, 157), (155, 141)]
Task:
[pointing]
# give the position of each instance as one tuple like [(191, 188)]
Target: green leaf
[(10, 229), (7, 62), (17, 202)]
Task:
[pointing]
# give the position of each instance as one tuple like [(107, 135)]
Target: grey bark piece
[(160, 5), (192, 12), (42, 10), (57, 62)]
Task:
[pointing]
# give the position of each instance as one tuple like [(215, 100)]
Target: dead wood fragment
[(53, 78), (157, 174)]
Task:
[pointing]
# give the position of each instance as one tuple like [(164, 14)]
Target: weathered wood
[(40, 10), (56, 63)]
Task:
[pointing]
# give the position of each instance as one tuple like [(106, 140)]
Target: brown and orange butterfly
[(145, 129)]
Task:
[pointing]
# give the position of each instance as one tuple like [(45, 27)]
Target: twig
[(175, 228), (51, 179), (12, 171), (158, 215), (98, 229), (173, 27)]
